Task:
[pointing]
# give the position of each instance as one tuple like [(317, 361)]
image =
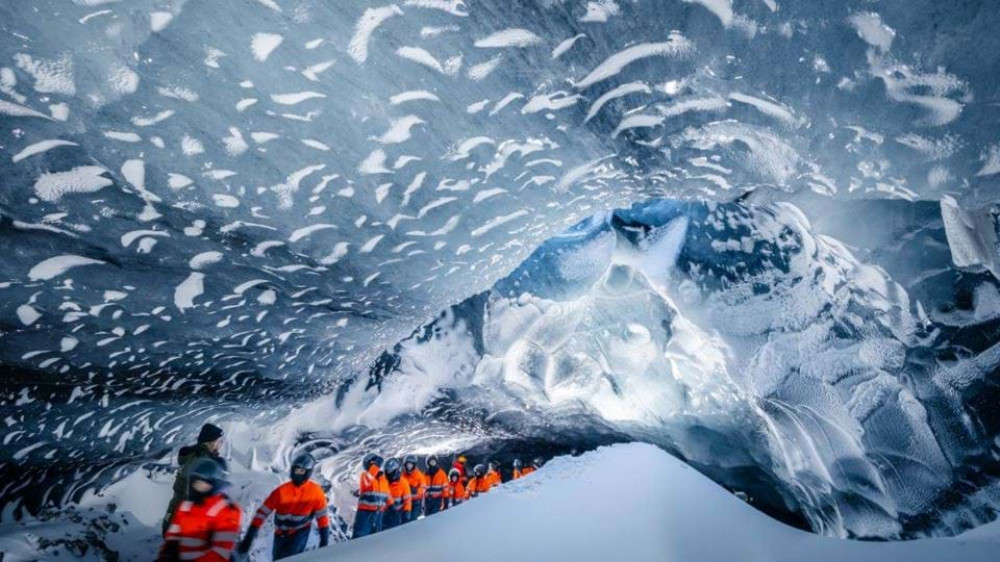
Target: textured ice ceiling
[(223, 206)]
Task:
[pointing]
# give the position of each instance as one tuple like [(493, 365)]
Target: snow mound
[(627, 502)]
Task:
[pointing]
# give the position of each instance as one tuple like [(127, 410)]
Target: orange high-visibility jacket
[(203, 532), (435, 487), (402, 499), (493, 478), (417, 481), (527, 470), (294, 508), (374, 491), (477, 485), (455, 493), (517, 473)]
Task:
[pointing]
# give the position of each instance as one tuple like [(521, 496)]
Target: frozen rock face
[(735, 336), (222, 209)]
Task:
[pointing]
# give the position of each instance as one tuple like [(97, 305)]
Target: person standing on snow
[(373, 497), (205, 526), (295, 505), (208, 446), (437, 480), (418, 486), (518, 472), (493, 474), (401, 504), (478, 484), (454, 492), (459, 465), (535, 465)]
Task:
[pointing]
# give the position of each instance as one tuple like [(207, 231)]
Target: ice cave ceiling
[(229, 207)]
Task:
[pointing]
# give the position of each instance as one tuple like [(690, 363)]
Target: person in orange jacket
[(478, 484), (205, 526), (535, 465), (454, 491), (295, 505), (459, 465), (437, 481), (399, 510), (418, 486), (493, 474), (373, 497), (518, 469)]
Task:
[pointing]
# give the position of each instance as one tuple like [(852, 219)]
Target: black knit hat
[(209, 433)]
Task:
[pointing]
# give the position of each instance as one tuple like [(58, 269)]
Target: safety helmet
[(409, 463), (307, 463), (494, 465), (432, 462), (209, 471), (479, 470), (517, 463), (371, 458), (454, 474), (461, 459), (537, 463), (392, 469)]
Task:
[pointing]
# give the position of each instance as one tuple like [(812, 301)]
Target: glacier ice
[(227, 210), (733, 335)]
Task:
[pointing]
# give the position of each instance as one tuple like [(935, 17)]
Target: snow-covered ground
[(625, 502), (125, 518), (630, 502)]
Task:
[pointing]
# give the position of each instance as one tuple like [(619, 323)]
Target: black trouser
[(414, 514), (393, 518), (290, 545), (367, 523), (433, 505)]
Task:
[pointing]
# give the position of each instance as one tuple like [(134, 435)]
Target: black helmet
[(537, 463), (454, 474), (208, 471), (371, 458), (432, 462), (479, 470), (409, 463), (306, 462), (517, 463), (392, 469)]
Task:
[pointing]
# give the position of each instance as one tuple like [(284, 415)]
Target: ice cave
[(729, 269)]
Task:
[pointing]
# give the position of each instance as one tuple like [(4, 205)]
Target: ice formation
[(734, 335)]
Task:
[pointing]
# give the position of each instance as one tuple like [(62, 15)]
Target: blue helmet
[(371, 458), (432, 462), (209, 471), (392, 471), (306, 462), (409, 463)]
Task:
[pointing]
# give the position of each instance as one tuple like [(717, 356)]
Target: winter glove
[(324, 536), (170, 551), (247, 541)]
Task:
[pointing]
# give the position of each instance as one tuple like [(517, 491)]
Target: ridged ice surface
[(220, 209), (735, 336)]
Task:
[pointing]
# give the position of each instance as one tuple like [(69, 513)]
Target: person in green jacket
[(209, 443)]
